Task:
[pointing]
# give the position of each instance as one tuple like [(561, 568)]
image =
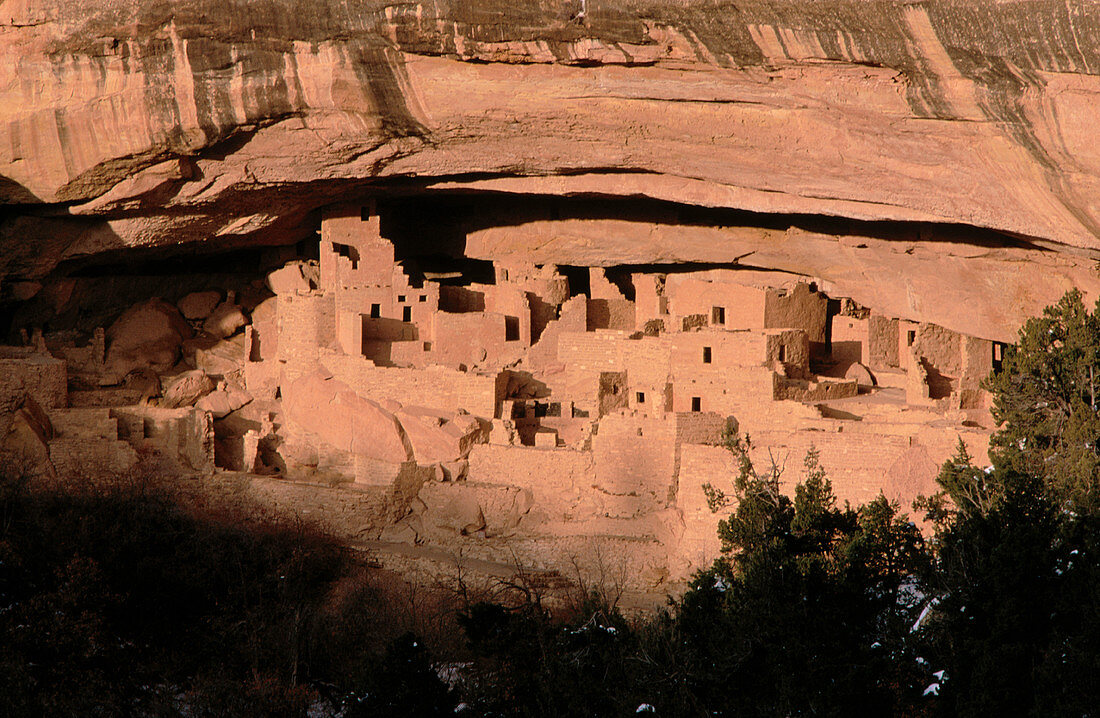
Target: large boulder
[(199, 305), (147, 335), (328, 409), (224, 357), (187, 388), (461, 513), (224, 401), (265, 330), (861, 375), (293, 278), (24, 444), (470, 508), (225, 321), (437, 436)]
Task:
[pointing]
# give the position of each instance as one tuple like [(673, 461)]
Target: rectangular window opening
[(364, 214), (423, 298), (375, 311), (640, 397), (400, 297), (706, 355), (910, 337), (406, 314), (696, 403), (511, 329), (718, 315), (782, 352)]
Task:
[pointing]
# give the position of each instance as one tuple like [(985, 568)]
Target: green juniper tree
[(804, 614), (1016, 625), (1046, 399)]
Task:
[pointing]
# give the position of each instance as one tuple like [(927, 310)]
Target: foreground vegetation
[(123, 600)]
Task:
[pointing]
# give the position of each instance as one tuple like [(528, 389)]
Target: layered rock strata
[(151, 124)]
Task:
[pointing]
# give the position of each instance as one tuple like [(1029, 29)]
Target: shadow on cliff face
[(75, 269), (13, 193), (456, 215)]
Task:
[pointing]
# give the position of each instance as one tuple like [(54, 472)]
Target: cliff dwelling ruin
[(359, 356), (394, 381)]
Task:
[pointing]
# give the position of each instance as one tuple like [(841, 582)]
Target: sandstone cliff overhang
[(153, 124)]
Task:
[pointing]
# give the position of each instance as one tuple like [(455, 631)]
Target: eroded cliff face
[(206, 126)]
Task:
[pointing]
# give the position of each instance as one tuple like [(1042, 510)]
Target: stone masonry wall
[(799, 308), (470, 338), (724, 391), (743, 306), (306, 324), (882, 342), (700, 427), (635, 455), (556, 478), (850, 340), (571, 318), (591, 351), (726, 349), (39, 375), (699, 465), (435, 387), (941, 347), (856, 464)]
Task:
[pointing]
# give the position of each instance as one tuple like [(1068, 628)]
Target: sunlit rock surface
[(202, 126)]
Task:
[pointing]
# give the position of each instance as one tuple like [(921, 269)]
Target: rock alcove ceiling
[(934, 160)]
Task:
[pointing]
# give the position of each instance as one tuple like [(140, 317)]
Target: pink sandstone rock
[(218, 358), (860, 374), (265, 334), (462, 514), (681, 103), (187, 388), (222, 402), (292, 278), (28, 430), (454, 470), (148, 335), (405, 530), (547, 439), (434, 437), (24, 445), (199, 305), (22, 291), (330, 410), (225, 321)]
